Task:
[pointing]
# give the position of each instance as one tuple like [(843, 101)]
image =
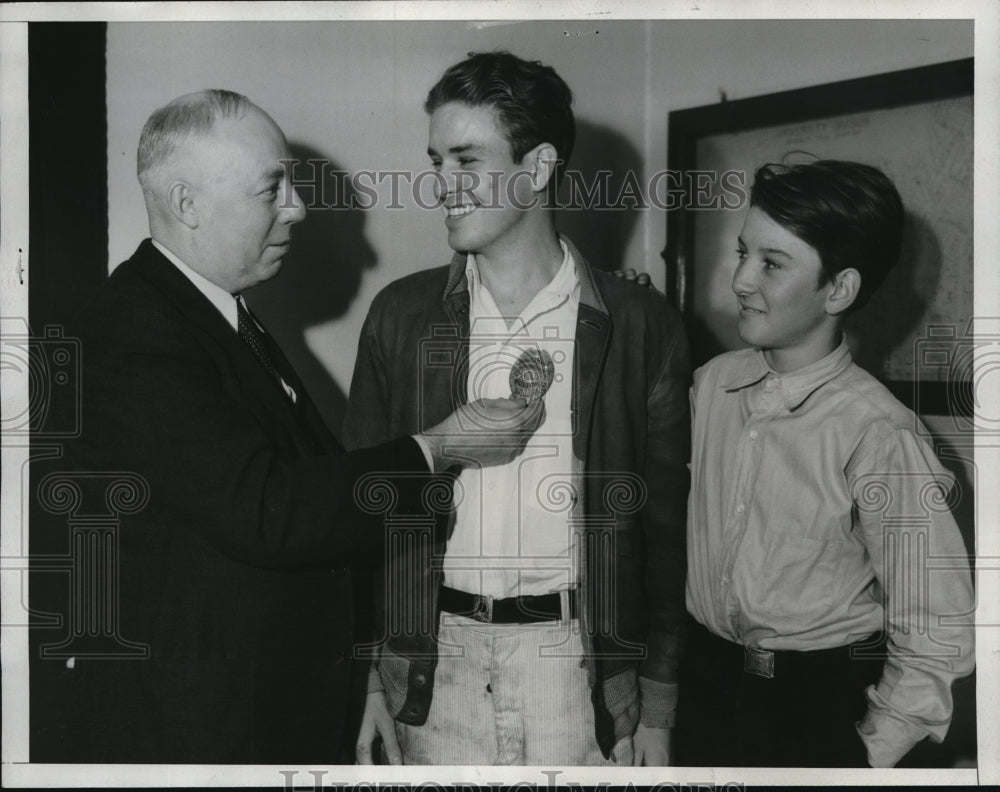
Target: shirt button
[(419, 680), (740, 509), (769, 385), (753, 434)]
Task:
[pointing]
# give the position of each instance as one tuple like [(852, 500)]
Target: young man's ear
[(842, 291), (180, 201), (541, 163)]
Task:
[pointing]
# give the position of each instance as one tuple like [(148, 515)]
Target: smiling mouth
[(748, 309), (453, 212)]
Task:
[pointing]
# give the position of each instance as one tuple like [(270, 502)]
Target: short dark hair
[(531, 101), (849, 212)]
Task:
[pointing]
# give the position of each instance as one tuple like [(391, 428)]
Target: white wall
[(352, 92)]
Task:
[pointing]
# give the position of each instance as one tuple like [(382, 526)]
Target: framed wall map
[(917, 126)]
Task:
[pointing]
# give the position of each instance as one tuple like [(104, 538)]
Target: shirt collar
[(219, 297), (589, 295), (795, 386), (563, 285)]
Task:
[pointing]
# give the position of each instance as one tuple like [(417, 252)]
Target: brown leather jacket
[(632, 431)]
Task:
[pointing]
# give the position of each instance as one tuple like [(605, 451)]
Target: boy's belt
[(769, 664), (511, 610)]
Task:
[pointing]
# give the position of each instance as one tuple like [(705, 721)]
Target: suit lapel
[(257, 388), (304, 408)]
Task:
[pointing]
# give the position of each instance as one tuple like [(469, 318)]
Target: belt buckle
[(759, 662), (482, 610)]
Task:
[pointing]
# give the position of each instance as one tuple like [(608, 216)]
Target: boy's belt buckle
[(482, 611), (759, 662)]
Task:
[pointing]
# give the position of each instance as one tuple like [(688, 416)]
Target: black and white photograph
[(428, 394)]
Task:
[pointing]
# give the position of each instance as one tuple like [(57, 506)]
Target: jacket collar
[(593, 337), (223, 301), (458, 282), (181, 292), (795, 386)]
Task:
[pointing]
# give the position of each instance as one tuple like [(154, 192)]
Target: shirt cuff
[(427, 451), (657, 703), (887, 737), (374, 680)]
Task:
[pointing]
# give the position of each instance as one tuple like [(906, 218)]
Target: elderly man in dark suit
[(235, 573)]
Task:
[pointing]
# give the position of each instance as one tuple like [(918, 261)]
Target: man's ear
[(180, 201), (541, 162), (842, 291)]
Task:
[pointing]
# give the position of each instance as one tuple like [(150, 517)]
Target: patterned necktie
[(253, 338)]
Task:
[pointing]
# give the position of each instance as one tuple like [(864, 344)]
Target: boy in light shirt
[(820, 637)]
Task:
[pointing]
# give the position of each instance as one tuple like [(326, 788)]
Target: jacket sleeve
[(157, 403), (664, 525), (367, 421)]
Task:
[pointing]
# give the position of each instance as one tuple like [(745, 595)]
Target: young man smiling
[(543, 627), (812, 495)]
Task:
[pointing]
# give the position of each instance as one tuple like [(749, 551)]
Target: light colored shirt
[(512, 531), (818, 516)]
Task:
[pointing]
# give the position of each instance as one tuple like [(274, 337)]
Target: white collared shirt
[(512, 530)]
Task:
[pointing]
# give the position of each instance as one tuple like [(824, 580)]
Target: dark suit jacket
[(234, 574)]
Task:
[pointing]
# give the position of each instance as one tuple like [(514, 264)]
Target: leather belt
[(511, 610), (778, 664)]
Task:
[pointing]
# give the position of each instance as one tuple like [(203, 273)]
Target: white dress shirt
[(512, 530)]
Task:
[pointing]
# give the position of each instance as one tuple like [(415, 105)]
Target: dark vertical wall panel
[(68, 243), (68, 164)]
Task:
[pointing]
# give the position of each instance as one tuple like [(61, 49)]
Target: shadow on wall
[(604, 166), (320, 278), (895, 309)]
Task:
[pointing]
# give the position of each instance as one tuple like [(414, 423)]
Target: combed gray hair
[(192, 114)]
